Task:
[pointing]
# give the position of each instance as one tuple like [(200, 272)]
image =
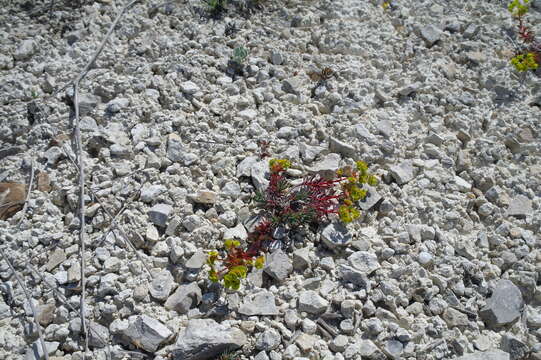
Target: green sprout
[(239, 54)]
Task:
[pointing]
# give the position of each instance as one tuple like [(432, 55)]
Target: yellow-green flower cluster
[(238, 261), (518, 7), (353, 191), (524, 62), (279, 164), (348, 213)]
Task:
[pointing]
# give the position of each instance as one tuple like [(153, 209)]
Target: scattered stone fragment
[(238, 232), (393, 348), (305, 342), (514, 347), (98, 336), (205, 197), (402, 173), (340, 147), (504, 306), (146, 332), (430, 34), (364, 261), (197, 260), (57, 258), (262, 303), (25, 50), (159, 214), (371, 199), (205, 339), (520, 207), (150, 193), (301, 259), (311, 302), (455, 318), (339, 343), (278, 265), (268, 340), (488, 355), (35, 351), (336, 235), (162, 285), (184, 298)]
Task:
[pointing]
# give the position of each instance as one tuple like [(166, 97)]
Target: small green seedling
[(240, 54)]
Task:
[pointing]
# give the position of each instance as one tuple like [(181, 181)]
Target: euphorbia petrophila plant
[(529, 56), (289, 206)]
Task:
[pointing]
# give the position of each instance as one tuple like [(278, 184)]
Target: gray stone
[(116, 105), (238, 232), (362, 133), (328, 165), (57, 258), (150, 193), (276, 58), (514, 347), (205, 197), (35, 351), (336, 235), (364, 261), (189, 87), (367, 348), (455, 318), (402, 173), (393, 348), (311, 302), (262, 303), (192, 222), (425, 258), (371, 199), (184, 298), (309, 152), (25, 50), (520, 207), (204, 339), (175, 149), (504, 306), (487, 355), (305, 342), (301, 259), (278, 265), (98, 336), (268, 340), (162, 285), (292, 85), (339, 343), (108, 285), (340, 147), (257, 169), (409, 89), (45, 313), (430, 34), (148, 333), (159, 214), (197, 260), (354, 276)]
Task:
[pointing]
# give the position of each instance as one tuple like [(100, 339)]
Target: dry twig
[(23, 212), (29, 299), (80, 158)]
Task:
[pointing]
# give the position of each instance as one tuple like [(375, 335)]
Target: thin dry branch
[(80, 158), (29, 299), (27, 194)]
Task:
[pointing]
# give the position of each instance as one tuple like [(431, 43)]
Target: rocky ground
[(444, 264)]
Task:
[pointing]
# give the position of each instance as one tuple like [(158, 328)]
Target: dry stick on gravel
[(29, 299), (27, 195), (77, 135)]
